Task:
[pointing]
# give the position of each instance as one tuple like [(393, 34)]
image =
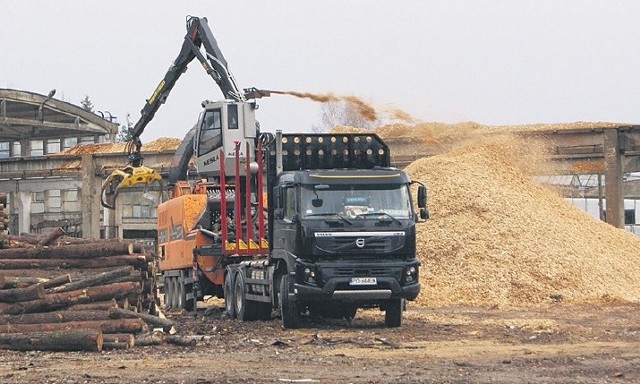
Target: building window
[(37, 148), (17, 149), (55, 198), (38, 197), (630, 216), (4, 149), (86, 140), (71, 195), (69, 142), (53, 146)]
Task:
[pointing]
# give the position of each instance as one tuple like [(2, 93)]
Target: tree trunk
[(99, 262), (101, 278), (14, 295), (74, 251), (155, 321), (63, 340), (51, 236), (107, 326)]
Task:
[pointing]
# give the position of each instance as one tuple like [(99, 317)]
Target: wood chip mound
[(160, 144), (495, 238)]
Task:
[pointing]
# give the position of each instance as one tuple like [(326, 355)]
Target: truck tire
[(181, 295), (393, 313), (290, 311), (167, 289), (246, 310), (229, 299)]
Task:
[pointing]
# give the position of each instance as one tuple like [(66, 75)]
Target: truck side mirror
[(424, 213), (422, 196)]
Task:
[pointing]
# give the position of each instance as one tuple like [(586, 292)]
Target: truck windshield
[(356, 201)]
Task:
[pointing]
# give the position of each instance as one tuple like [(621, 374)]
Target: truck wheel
[(180, 293), (393, 313), (229, 299), (167, 289), (246, 310), (289, 309)]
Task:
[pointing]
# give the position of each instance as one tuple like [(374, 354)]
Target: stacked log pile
[(59, 293)]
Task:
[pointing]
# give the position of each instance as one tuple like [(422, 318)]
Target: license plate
[(363, 281)]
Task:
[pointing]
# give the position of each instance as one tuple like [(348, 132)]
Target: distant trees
[(124, 134), (86, 104)]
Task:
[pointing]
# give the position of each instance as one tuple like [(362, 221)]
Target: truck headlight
[(410, 274), (309, 276)]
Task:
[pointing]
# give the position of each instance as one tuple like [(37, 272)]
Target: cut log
[(74, 251), (99, 262), (15, 295), (155, 321), (62, 340), (1, 281), (57, 281), (99, 292), (182, 341), (51, 237), (22, 282), (113, 345), (127, 338), (94, 306), (148, 339), (98, 279), (107, 326), (54, 317), (41, 305)]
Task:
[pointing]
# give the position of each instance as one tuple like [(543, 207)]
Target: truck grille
[(359, 242)]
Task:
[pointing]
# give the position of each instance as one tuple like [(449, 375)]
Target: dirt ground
[(554, 343)]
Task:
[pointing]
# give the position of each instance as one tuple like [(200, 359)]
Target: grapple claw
[(127, 177)]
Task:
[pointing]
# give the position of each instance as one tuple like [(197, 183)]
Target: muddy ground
[(549, 344)]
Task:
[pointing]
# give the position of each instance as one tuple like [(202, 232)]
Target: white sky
[(493, 62)]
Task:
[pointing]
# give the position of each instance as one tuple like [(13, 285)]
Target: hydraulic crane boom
[(198, 36)]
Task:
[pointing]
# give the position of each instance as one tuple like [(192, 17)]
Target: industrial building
[(44, 185)]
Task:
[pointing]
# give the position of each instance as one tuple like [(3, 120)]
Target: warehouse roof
[(31, 115)]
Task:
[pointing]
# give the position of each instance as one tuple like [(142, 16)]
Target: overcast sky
[(493, 62)]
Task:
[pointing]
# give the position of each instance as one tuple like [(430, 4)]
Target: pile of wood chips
[(160, 144), (497, 239)]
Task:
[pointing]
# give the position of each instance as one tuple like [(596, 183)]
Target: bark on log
[(41, 305), (62, 340), (155, 321), (106, 326), (75, 251), (94, 306), (148, 339), (98, 279), (1, 281), (51, 236), (54, 317), (100, 262), (24, 238), (15, 295), (100, 292), (56, 281), (181, 340), (114, 345), (22, 282)]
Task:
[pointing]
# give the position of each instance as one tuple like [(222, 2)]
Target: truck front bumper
[(338, 289)]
